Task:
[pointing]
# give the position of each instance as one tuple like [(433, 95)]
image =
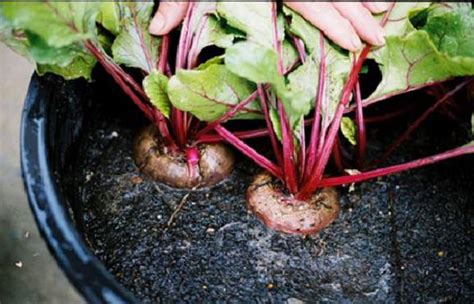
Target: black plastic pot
[(49, 136)]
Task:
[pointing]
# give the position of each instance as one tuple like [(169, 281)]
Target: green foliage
[(52, 34), (348, 129), (109, 17), (442, 48), (156, 88), (209, 93), (425, 43), (304, 81), (134, 45)]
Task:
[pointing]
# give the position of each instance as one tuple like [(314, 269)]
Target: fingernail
[(380, 37), (381, 6), (157, 24), (356, 43)]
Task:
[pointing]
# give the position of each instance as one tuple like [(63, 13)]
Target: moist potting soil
[(401, 238)]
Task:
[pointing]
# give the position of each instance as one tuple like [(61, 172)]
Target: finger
[(168, 16), (324, 16), (376, 7), (363, 22)]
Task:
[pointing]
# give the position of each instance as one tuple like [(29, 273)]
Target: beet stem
[(315, 130), (421, 119), (289, 167), (271, 131), (361, 134), (370, 101), (344, 180), (124, 81), (165, 46), (312, 184), (277, 41), (336, 151), (213, 138), (300, 48), (261, 160)]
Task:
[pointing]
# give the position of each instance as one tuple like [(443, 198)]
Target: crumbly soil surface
[(405, 238)]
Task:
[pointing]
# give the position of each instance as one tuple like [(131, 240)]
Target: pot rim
[(81, 266)]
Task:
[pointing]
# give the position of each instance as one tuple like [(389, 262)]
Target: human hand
[(168, 16), (346, 23)]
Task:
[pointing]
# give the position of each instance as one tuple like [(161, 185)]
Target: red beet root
[(156, 160), (283, 212)]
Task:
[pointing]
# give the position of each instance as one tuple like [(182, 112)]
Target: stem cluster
[(299, 163)]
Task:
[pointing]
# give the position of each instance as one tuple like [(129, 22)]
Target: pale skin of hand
[(346, 23)]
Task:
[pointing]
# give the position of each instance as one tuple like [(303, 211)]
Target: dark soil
[(405, 238)]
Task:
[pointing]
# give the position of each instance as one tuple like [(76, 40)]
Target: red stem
[(316, 175), (337, 155), (179, 118), (271, 131), (361, 134), (421, 119), (276, 37), (101, 58), (193, 52), (368, 102), (315, 130), (343, 180), (182, 51), (289, 167), (165, 46), (312, 183), (300, 48), (261, 160), (127, 78), (151, 114), (213, 138), (302, 160)]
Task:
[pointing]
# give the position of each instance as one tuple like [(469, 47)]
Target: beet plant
[(426, 44), (251, 61), (69, 38)]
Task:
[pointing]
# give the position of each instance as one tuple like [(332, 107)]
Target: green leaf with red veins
[(452, 31), (52, 34), (255, 63), (440, 49), (14, 39), (209, 93), (135, 46), (156, 88), (398, 23)]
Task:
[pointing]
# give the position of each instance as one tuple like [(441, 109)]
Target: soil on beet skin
[(403, 238)]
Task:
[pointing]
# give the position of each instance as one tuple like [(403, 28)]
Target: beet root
[(156, 160), (284, 213)]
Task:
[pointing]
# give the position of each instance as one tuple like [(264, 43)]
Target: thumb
[(168, 16)]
